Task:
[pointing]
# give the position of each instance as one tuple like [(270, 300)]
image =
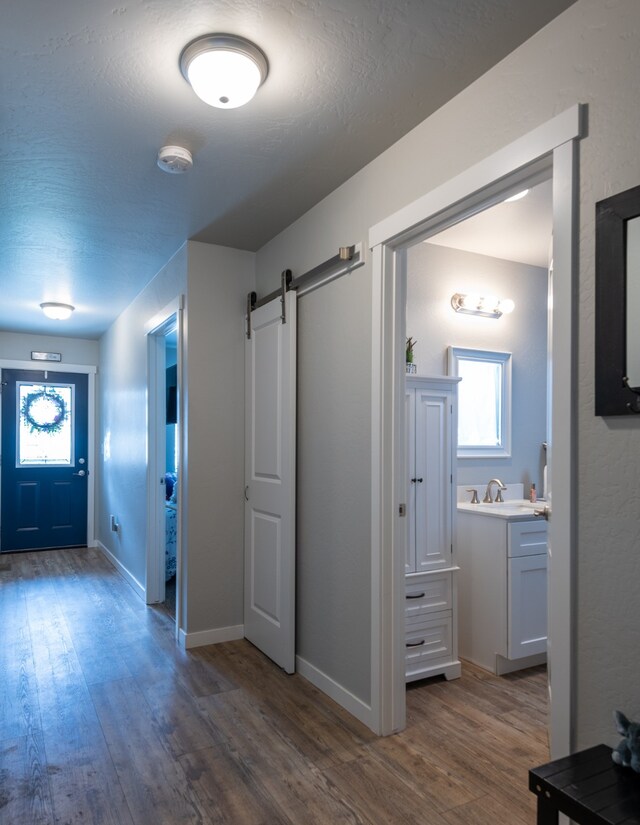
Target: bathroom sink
[(514, 508)]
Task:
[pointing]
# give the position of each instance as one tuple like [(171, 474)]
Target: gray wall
[(122, 420), (590, 55), (215, 281), (334, 438), (218, 282), (434, 273), (17, 346)]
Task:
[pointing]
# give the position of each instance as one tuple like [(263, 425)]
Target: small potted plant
[(411, 367)]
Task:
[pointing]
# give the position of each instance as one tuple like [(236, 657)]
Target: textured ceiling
[(91, 91)]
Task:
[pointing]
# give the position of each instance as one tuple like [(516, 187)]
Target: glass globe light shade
[(225, 71), (470, 301), (59, 312), (224, 79)]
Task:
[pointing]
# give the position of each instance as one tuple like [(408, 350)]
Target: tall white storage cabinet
[(431, 620)]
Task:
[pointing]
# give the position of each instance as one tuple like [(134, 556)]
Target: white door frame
[(90, 372), (550, 147), (156, 329)]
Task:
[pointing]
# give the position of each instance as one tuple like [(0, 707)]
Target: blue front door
[(44, 460)]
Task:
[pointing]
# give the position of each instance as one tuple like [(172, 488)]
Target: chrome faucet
[(499, 487)]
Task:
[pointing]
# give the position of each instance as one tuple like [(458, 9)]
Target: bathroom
[(503, 252)]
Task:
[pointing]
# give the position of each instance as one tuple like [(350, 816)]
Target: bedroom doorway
[(165, 462)]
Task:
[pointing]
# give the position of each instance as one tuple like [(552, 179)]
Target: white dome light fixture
[(224, 70), (518, 196), (59, 312)]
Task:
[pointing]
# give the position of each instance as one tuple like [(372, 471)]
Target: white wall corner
[(126, 575), (356, 707)]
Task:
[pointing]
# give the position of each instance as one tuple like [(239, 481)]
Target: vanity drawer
[(428, 643), (526, 538), (429, 593)]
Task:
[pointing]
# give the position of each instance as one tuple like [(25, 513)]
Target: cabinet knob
[(416, 481)]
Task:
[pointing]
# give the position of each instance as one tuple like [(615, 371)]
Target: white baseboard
[(339, 694), (126, 575), (211, 637), (504, 666)]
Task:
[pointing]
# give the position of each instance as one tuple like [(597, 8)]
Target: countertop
[(512, 510)]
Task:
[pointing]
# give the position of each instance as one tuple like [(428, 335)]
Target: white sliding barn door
[(269, 555)]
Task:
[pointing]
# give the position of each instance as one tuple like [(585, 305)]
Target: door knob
[(544, 513), (81, 473)]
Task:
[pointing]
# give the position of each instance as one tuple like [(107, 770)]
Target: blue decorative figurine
[(627, 753)]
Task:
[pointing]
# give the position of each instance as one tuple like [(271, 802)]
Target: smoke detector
[(174, 159)]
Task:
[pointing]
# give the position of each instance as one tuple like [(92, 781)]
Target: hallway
[(104, 720)]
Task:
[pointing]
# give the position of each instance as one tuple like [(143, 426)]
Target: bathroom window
[(484, 402)]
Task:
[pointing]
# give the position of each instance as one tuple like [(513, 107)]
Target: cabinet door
[(433, 486), (410, 464), (527, 611)]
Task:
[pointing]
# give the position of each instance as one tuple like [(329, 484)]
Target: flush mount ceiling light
[(486, 305), (224, 70), (59, 312), (517, 196)]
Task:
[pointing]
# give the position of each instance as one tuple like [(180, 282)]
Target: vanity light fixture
[(59, 312), (486, 305), (224, 70)]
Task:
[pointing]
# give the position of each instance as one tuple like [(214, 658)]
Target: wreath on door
[(44, 411)]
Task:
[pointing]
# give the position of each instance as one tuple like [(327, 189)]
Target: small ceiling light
[(224, 70), (517, 196), (487, 306), (59, 312)]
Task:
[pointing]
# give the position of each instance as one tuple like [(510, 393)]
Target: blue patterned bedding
[(171, 539)]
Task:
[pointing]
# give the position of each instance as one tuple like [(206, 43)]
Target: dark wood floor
[(103, 720)]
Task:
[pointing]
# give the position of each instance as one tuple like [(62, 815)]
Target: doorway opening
[(549, 151), (477, 586), (165, 463)]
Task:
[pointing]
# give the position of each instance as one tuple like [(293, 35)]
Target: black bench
[(589, 788)]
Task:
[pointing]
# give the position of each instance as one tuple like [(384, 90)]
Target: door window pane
[(45, 423)]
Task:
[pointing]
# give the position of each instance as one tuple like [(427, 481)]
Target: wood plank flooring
[(104, 721)]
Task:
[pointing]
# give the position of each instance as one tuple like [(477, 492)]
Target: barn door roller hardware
[(348, 258)]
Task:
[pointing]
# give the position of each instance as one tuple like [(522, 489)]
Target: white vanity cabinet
[(430, 608), (503, 591)]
